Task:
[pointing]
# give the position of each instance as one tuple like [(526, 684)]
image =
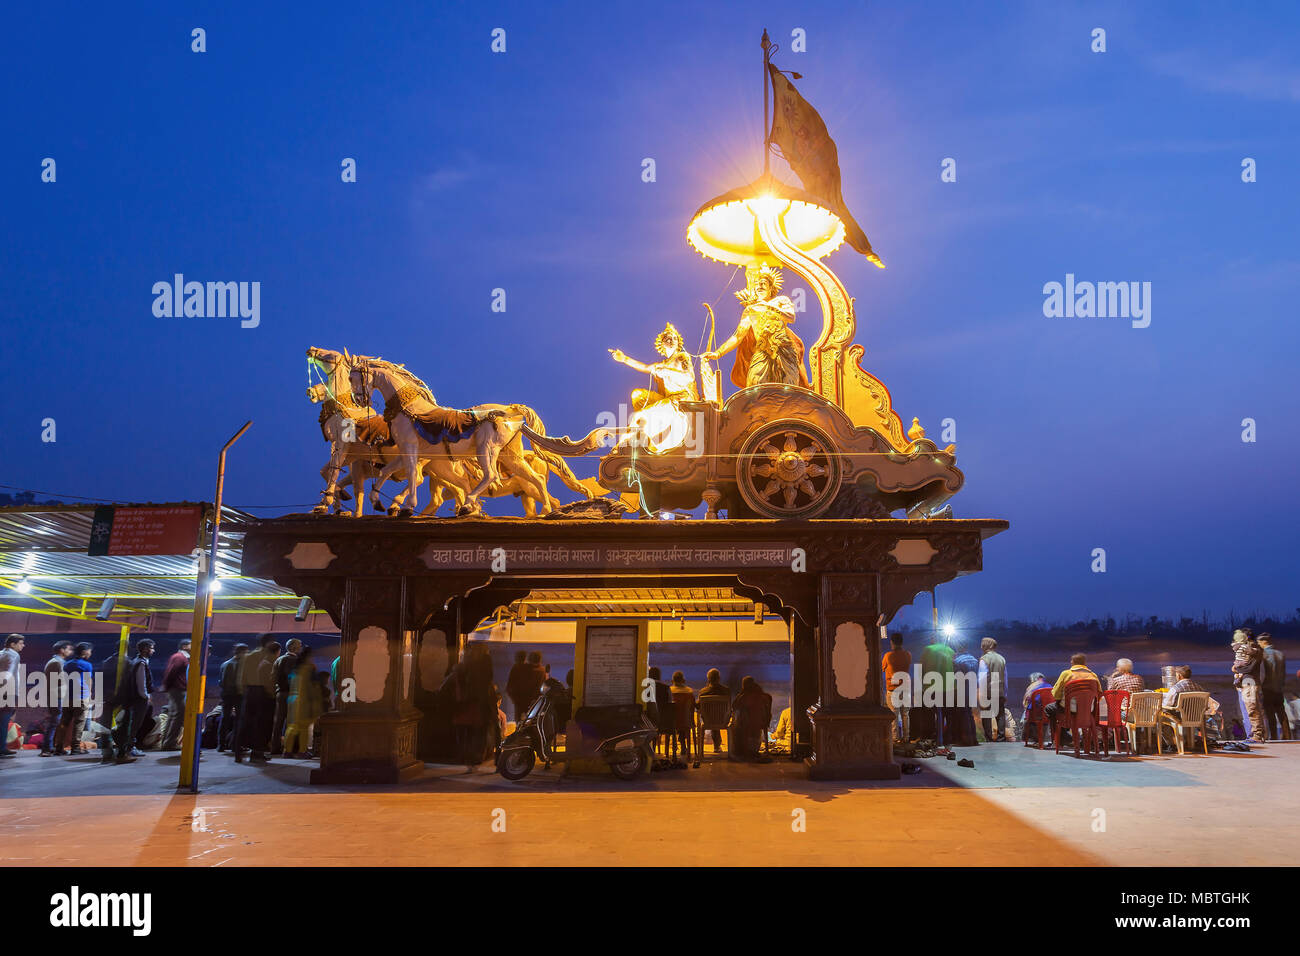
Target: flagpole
[(767, 127)]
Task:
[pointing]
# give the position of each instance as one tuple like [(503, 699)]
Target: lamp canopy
[(725, 227)]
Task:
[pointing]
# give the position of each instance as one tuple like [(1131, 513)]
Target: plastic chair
[(1113, 725), (715, 714), (1144, 713), (1079, 713), (1035, 717), (1190, 715), (667, 726), (684, 727)]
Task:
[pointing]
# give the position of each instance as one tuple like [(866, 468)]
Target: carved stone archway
[(393, 586)]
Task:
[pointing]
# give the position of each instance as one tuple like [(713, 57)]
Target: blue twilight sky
[(522, 171)]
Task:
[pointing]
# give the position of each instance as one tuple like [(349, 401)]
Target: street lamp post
[(196, 679)]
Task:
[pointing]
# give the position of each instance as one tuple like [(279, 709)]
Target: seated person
[(751, 715), (1169, 703), (784, 733), (1037, 681), (715, 688), (1123, 678), (1077, 671), (561, 712), (683, 715), (1184, 683)]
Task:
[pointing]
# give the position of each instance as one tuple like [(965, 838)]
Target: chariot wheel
[(788, 469)]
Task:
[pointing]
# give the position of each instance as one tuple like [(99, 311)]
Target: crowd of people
[(676, 710), (272, 696), (270, 700), (1258, 671)]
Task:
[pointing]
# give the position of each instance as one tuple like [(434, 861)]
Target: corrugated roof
[(48, 544)]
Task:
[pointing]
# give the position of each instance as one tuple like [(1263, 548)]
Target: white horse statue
[(361, 445), (485, 438)]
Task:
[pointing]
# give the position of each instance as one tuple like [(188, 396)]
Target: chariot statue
[(808, 432)]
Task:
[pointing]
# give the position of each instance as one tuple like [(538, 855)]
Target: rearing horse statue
[(425, 431)]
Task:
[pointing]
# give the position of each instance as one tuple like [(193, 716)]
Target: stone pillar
[(851, 728), (804, 682), (437, 645), (371, 738)]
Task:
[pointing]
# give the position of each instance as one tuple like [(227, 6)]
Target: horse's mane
[(403, 372)]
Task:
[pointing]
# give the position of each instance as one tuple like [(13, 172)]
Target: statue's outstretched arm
[(730, 344)]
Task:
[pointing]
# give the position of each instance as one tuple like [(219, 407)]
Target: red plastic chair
[(1079, 713), (1113, 725), (1035, 717)]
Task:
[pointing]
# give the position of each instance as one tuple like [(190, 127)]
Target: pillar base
[(358, 748), (851, 746)]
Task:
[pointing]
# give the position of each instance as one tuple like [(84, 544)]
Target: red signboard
[(145, 530)]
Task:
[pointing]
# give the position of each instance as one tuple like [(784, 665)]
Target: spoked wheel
[(631, 766), (788, 469), (517, 764)]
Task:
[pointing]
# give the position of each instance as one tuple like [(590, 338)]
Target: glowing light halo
[(725, 228)]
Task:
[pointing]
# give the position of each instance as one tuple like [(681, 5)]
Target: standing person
[(133, 697), (304, 705), (54, 688), (897, 665), (174, 682), (284, 666), (993, 688), (1247, 672), (963, 714), (714, 688), (537, 678), (232, 692), (258, 680), (1272, 689), (936, 659), (10, 687), (469, 687), (67, 739), (660, 707), (517, 684)]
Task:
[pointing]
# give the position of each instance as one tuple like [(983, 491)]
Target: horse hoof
[(406, 513), (320, 510)]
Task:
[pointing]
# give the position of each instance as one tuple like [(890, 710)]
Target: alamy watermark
[(1101, 300), (210, 300)]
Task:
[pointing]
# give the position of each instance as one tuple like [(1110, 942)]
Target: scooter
[(624, 732)]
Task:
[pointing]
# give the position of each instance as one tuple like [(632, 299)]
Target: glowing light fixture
[(949, 630), (23, 586), (726, 228), (215, 586)]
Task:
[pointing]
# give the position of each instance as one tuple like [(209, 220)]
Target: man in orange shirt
[(898, 662), (1077, 671)]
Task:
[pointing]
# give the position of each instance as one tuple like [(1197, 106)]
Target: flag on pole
[(801, 135)]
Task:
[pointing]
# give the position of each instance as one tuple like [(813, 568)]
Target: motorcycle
[(624, 733)]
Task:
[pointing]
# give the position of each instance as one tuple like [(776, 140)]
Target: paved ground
[(1017, 806)]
